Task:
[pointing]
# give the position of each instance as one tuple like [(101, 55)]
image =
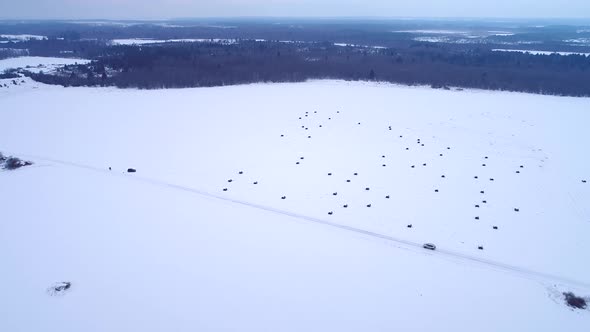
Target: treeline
[(439, 65)]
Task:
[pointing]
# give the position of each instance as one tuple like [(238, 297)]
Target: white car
[(429, 246)]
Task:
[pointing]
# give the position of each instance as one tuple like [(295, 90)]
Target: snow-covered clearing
[(534, 52), (38, 64), (356, 45), (142, 41), (201, 239), (19, 38)]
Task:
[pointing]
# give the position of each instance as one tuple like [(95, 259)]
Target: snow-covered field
[(201, 239)]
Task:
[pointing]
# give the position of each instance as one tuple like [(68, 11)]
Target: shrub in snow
[(59, 288), (575, 301), (13, 163), (2, 158)]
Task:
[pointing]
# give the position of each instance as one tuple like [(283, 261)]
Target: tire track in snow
[(499, 266)]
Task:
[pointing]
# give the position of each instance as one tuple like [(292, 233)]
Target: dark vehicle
[(429, 246)]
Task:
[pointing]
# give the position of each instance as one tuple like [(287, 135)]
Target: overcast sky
[(162, 9)]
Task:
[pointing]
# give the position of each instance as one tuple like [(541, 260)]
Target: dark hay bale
[(476, 205), (407, 148), (481, 192), (583, 181), (345, 206), (516, 209), (495, 227), (329, 174), (329, 118), (575, 301), (387, 196), (442, 176), (356, 173), (409, 226), (335, 193), (367, 188), (480, 247), (230, 180), (521, 166), (400, 136), (240, 172), (320, 126), (359, 123), (384, 165), (441, 154), (484, 165), (284, 197), (255, 182), (517, 172), (423, 144), (282, 135), (484, 202), (308, 136), (413, 166), (475, 177), (476, 218), (297, 163), (131, 170), (301, 158), (224, 189), (369, 205), (299, 118), (448, 148), (330, 213), (491, 179), (347, 180), (383, 156), (435, 190), (423, 164)]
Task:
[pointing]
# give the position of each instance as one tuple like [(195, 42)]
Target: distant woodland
[(302, 55), (213, 64)]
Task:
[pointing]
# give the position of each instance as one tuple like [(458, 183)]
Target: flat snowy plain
[(167, 249)]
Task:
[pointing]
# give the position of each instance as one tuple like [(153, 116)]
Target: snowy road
[(402, 243)]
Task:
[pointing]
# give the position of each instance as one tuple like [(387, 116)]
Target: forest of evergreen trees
[(175, 65)]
